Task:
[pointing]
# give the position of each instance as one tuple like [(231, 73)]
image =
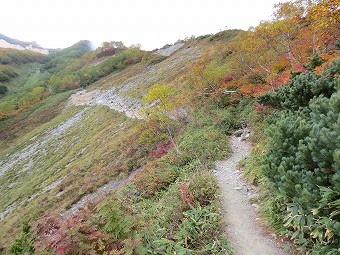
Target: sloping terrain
[(82, 148), (167, 51), (131, 107), (53, 156), (149, 172)]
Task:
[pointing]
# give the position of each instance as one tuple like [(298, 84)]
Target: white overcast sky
[(151, 23)]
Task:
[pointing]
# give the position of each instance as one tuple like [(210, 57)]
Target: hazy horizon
[(59, 24)]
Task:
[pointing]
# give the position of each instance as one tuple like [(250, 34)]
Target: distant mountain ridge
[(7, 42)]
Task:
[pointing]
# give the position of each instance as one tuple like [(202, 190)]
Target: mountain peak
[(7, 42)]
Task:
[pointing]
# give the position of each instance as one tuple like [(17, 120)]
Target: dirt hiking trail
[(243, 226)]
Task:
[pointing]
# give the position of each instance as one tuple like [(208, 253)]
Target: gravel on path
[(243, 226)]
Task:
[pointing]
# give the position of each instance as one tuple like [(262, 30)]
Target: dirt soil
[(242, 222)]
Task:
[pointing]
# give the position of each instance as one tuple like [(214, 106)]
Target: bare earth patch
[(244, 229), (169, 50), (130, 106)]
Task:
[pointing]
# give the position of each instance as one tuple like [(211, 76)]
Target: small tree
[(160, 124)]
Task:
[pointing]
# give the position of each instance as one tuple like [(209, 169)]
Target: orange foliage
[(264, 57), (235, 83), (251, 90), (328, 58), (280, 65)]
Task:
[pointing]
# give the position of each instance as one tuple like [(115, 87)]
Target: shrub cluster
[(7, 73), (106, 52), (302, 163), (300, 91), (119, 61)]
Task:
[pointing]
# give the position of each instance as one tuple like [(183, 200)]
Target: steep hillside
[(112, 151), (56, 164), (25, 83)]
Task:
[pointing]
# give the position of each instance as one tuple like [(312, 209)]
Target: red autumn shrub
[(106, 52), (70, 235), (299, 68), (160, 150)]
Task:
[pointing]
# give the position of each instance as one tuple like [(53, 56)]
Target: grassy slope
[(160, 216), (87, 153), (28, 76), (173, 70), (101, 146), (13, 129)]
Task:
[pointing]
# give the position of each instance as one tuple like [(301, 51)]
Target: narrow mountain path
[(243, 226)]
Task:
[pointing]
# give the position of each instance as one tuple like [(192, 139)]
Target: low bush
[(7, 73), (206, 145), (195, 235), (73, 235), (115, 220), (301, 164), (24, 243), (119, 61), (203, 188), (153, 178)]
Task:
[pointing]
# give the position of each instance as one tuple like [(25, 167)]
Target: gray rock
[(238, 133)]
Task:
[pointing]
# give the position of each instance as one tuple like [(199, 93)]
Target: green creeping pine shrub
[(302, 163), (300, 91), (315, 60), (333, 69)]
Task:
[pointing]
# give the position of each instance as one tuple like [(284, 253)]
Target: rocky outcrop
[(5, 44)]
